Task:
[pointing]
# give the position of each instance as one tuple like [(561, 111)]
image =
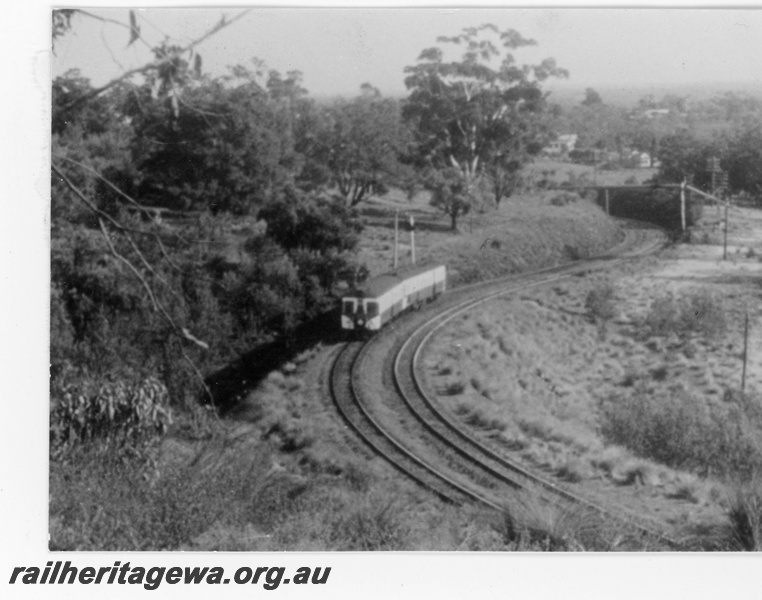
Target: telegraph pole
[(745, 349), (396, 235), (412, 238), (719, 182), (725, 240)]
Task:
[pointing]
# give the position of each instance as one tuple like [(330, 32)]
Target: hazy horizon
[(339, 49)]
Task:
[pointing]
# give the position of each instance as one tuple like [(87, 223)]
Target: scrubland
[(280, 472), (626, 386), (622, 386)]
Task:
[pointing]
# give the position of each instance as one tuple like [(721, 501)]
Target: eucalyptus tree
[(479, 114), (362, 141)]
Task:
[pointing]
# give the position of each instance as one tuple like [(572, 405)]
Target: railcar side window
[(372, 308), (348, 307)]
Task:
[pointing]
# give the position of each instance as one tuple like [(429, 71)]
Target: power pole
[(725, 243), (412, 238), (606, 192), (396, 235), (745, 349), (682, 204)]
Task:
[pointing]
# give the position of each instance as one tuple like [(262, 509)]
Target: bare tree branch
[(132, 267), (152, 66), (180, 331)]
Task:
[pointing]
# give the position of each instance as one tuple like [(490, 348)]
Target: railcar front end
[(359, 314), (385, 297)]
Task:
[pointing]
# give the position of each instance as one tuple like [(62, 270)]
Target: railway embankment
[(525, 233)]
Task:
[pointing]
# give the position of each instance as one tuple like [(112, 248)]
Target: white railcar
[(384, 297)]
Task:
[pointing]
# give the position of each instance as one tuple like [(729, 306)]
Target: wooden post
[(412, 238), (725, 243), (606, 193), (396, 236), (682, 204), (745, 349)]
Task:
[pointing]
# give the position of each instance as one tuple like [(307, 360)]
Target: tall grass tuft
[(745, 516), (529, 523), (376, 523)]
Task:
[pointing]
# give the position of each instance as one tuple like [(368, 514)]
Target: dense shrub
[(564, 198), (600, 302), (745, 516), (682, 431), (106, 322), (692, 313), (100, 503), (124, 415)]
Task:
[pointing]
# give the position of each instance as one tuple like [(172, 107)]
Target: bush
[(685, 432), (564, 199), (600, 302), (695, 313), (124, 415), (745, 516), (375, 524), (100, 503), (454, 388)]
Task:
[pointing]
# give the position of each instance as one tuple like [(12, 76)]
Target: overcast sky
[(339, 49)]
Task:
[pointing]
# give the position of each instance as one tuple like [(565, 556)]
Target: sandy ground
[(530, 372)]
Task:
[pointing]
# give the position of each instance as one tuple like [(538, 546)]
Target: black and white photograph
[(418, 281), (388, 281)]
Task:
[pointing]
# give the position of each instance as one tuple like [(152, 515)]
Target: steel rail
[(416, 345), (369, 430), (476, 453)]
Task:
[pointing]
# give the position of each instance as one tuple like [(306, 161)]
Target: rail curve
[(465, 469)]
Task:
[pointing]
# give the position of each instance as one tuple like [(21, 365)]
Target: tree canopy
[(475, 116), (362, 141)]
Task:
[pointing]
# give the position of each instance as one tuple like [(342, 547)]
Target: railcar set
[(383, 298)]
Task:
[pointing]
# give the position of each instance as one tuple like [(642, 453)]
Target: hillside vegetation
[(203, 230), (627, 385)]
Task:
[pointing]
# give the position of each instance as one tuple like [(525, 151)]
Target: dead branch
[(157, 64), (102, 216), (127, 230)]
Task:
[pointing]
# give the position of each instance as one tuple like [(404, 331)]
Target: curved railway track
[(411, 432)]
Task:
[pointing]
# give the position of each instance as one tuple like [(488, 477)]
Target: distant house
[(641, 160), (652, 113), (563, 144)]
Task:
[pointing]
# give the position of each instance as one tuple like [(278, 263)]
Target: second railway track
[(405, 426)]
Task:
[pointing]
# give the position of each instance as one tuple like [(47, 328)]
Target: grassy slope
[(278, 475), (531, 373), (526, 233)]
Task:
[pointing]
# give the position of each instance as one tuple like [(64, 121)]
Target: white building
[(563, 144)]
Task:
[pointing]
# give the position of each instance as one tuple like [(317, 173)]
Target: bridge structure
[(686, 191)]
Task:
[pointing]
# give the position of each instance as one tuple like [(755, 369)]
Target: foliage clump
[(699, 313), (745, 516), (564, 199), (600, 302), (124, 416), (686, 432)]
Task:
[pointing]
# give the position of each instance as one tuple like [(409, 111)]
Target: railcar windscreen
[(348, 307), (372, 308)]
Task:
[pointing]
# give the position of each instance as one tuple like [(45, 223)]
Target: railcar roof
[(383, 283)]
